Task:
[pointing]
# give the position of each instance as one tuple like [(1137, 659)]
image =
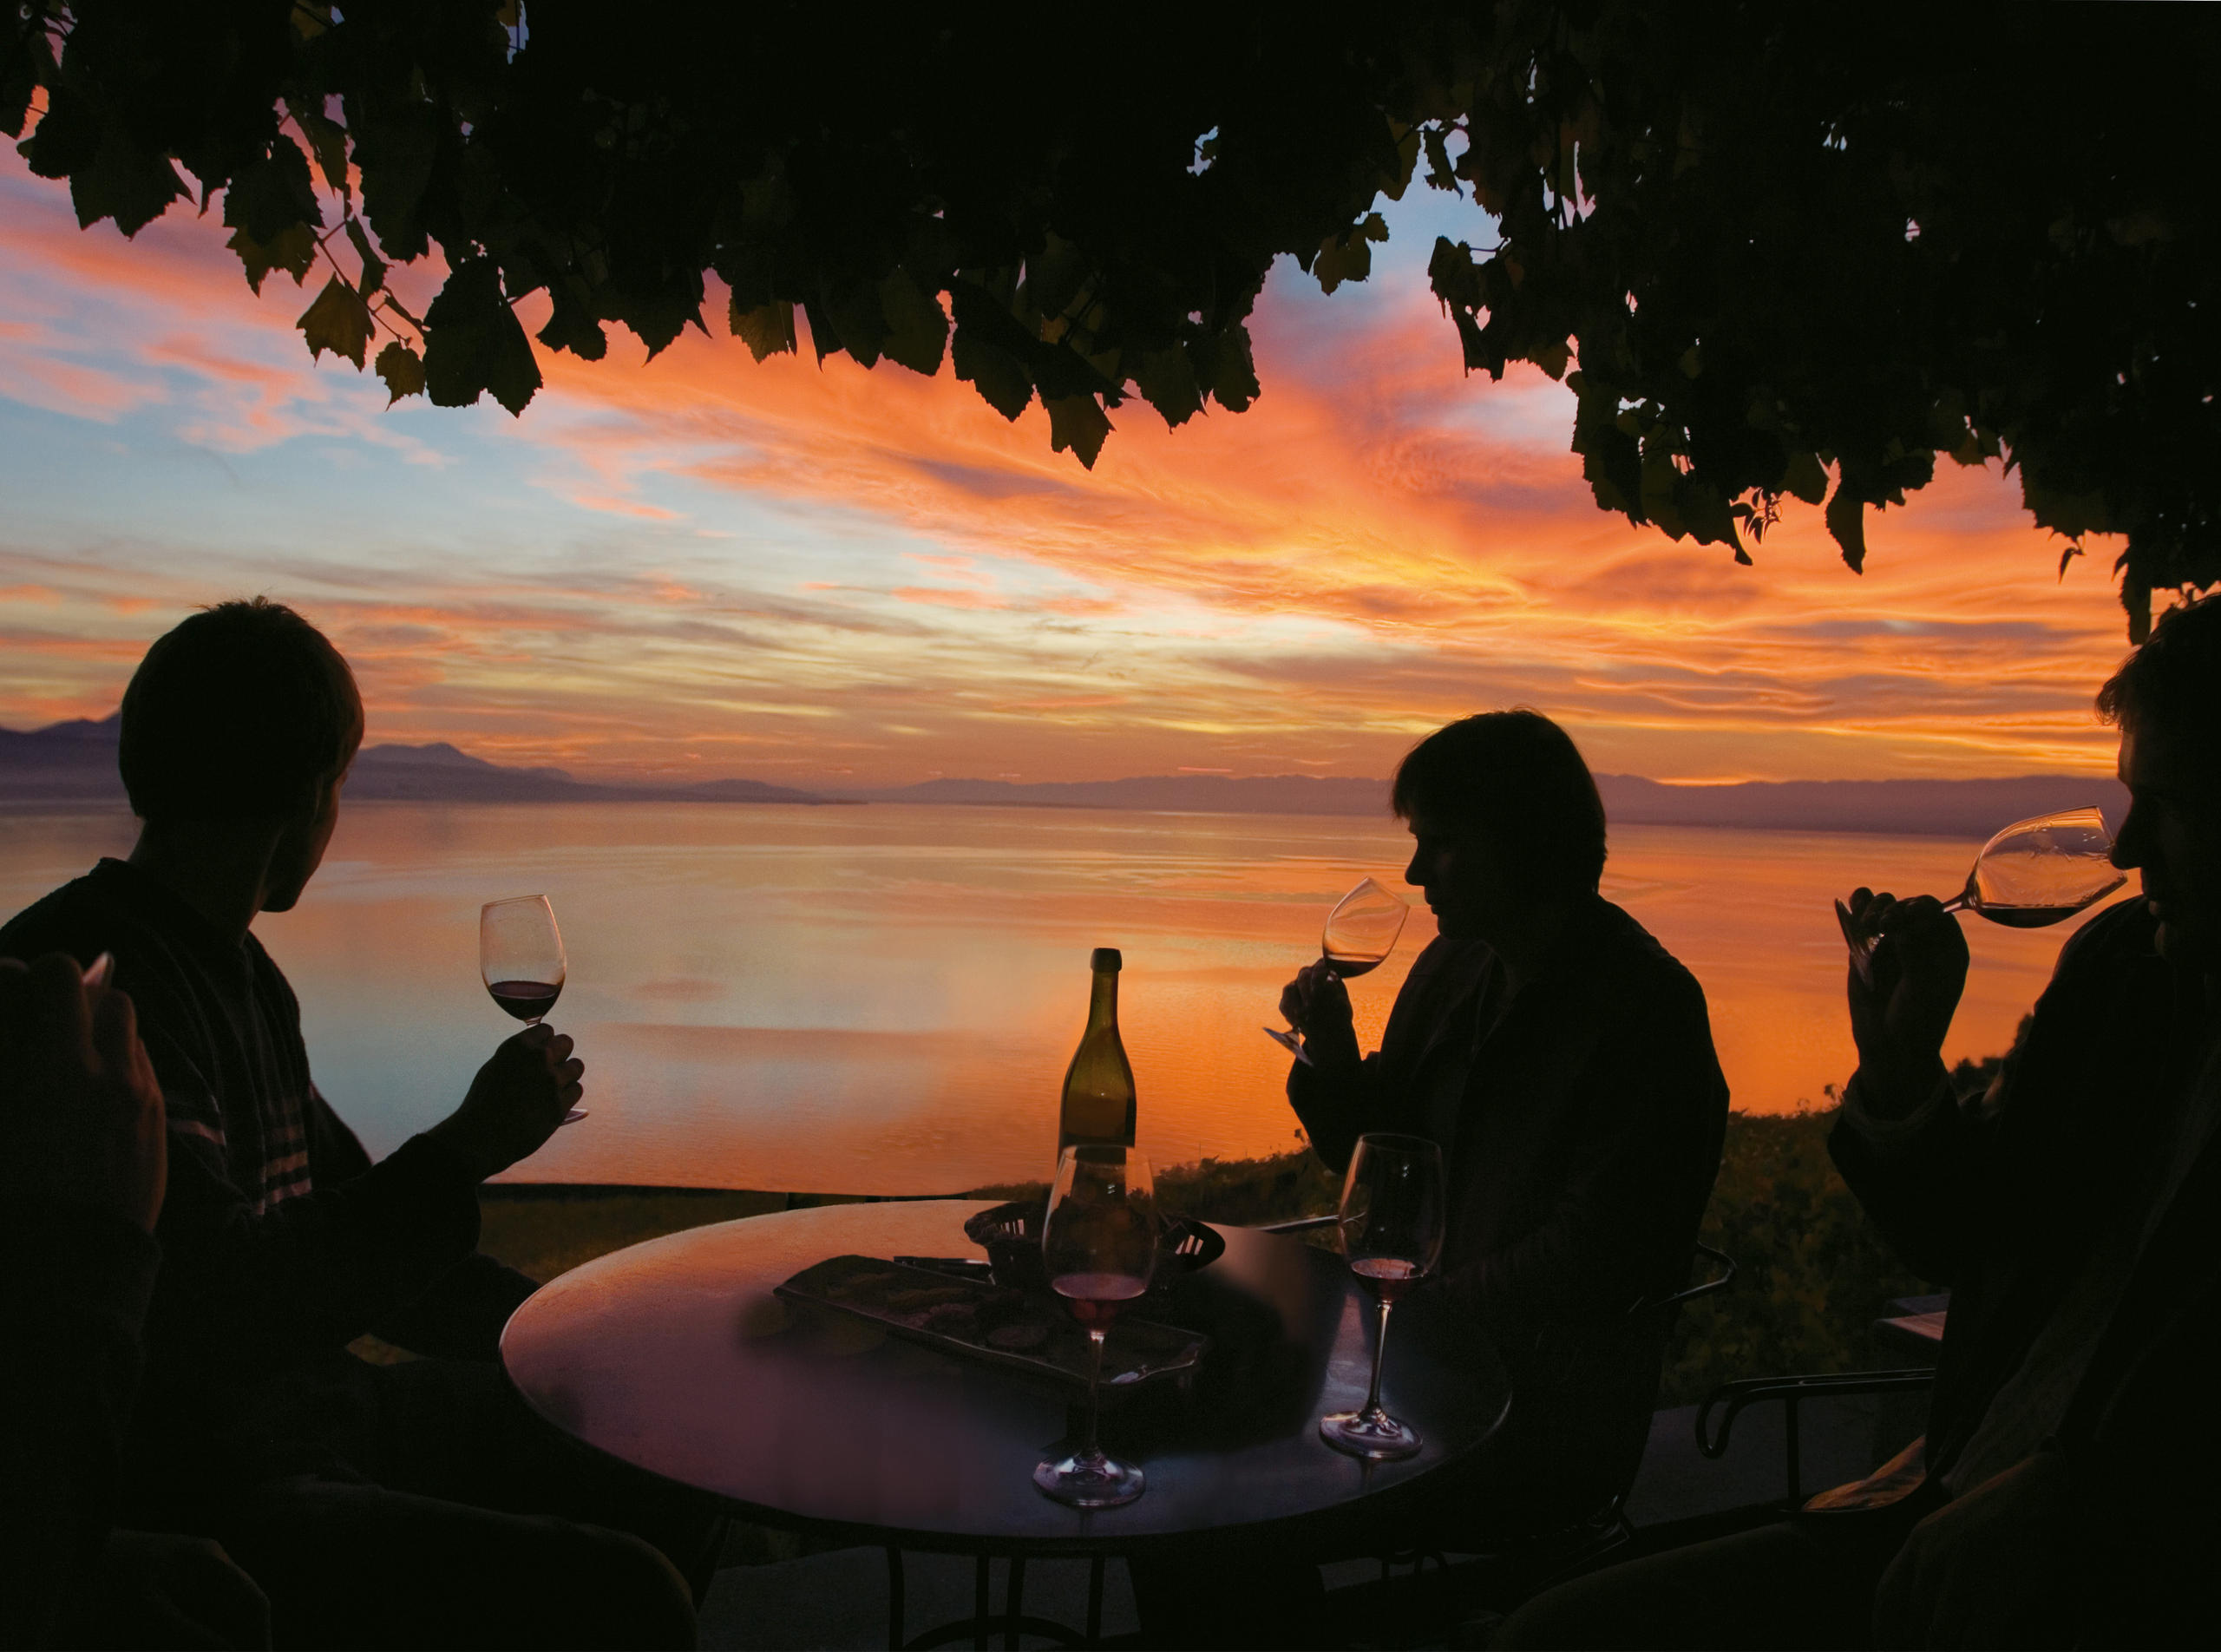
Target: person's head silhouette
[(1506, 821), (238, 729), (2166, 700)]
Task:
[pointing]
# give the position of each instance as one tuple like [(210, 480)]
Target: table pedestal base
[(1011, 1621)]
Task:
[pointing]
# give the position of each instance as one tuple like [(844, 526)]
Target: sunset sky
[(703, 567)]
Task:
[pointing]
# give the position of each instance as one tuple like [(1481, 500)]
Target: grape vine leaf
[(473, 343), (293, 251), (767, 330), (1077, 422), (402, 370), (339, 321)]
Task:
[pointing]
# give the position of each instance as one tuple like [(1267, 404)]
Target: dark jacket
[(73, 1285), (254, 1294), (1588, 1128), (2003, 1198)]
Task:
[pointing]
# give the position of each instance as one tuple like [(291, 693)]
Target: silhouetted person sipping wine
[(2065, 1492), (1564, 1062), (416, 1503)]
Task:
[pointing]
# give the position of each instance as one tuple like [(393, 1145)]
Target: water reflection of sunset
[(883, 999)]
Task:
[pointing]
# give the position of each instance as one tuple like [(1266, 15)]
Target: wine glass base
[(1104, 1483), (1374, 1435)]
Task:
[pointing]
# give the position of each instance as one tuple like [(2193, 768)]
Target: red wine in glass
[(1392, 1221), (520, 959), (1387, 1278), (1360, 933), (1097, 1298), (527, 1000), (1099, 1245)]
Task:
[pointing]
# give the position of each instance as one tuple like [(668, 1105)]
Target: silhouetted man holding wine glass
[(409, 1504), (2065, 1492), (1564, 1062)]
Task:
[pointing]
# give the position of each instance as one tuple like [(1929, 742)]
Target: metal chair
[(1508, 1572)]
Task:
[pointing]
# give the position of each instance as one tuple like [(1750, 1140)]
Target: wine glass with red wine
[(520, 959), (2034, 873), (1392, 1218), (1360, 933), (1099, 1245)]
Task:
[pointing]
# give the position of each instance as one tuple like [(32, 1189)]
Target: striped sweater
[(282, 1242)]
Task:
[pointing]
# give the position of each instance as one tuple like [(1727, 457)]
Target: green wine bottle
[(1098, 1100)]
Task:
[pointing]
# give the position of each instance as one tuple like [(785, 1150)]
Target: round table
[(674, 1355)]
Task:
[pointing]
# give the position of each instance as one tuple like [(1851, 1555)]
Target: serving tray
[(977, 1319), (1011, 1235)]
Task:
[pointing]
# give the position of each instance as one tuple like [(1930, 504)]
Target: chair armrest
[(1734, 1396), (1792, 1392)]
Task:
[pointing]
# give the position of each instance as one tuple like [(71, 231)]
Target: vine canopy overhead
[(1772, 249)]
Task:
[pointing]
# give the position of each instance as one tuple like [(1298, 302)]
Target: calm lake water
[(883, 999)]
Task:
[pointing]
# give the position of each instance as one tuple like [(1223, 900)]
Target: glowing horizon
[(700, 566)]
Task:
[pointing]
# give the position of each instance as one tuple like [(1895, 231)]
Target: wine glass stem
[(1380, 1354), (1092, 1451)]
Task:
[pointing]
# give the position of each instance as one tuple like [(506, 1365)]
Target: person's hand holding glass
[(1099, 1243), (1359, 934), (529, 1088), (1909, 958), (2033, 874), (520, 959), (1393, 1220)]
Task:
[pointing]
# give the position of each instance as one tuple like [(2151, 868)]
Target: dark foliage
[(1772, 241)]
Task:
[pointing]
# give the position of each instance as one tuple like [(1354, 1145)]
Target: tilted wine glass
[(1359, 934), (520, 959), (1099, 1243), (2034, 873), (1393, 1220)]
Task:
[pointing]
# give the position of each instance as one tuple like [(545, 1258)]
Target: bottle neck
[(1102, 1002)]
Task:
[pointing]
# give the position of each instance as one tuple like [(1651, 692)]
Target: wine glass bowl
[(1362, 929), (2034, 873), (1357, 936), (520, 959), (1394, 1216), (1098, 1246)]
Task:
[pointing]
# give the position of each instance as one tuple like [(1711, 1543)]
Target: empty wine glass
[(2034, 873), (1359, 934), (1392, 1218), (521, 960), (1099, 1243)]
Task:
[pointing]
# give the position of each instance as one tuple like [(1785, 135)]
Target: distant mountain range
[(75, 763)]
